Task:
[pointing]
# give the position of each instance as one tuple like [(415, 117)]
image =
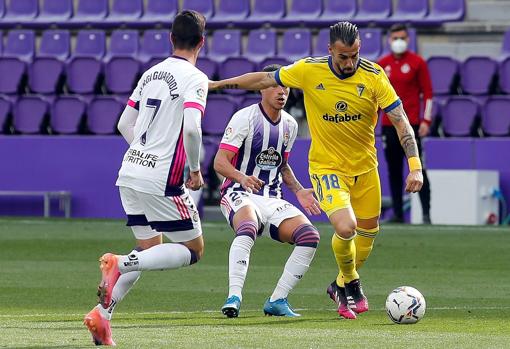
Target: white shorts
[(270, 211), (150, 215)]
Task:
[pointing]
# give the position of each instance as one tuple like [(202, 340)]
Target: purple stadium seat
[(249, 100), (54, 12), (160, 12), (121, 66), (504, 75), (265, 11), (261, 45), (2, 8), (230, 11), (44, 75), (296, 44), (55, 44), (476, 74), (19, 12), (505, 49), (459, 116), (217, 114), (335, 11), (85, 66), (103, 112), (66, 114), (445, 11), (154, 47), (443, 72), (125, 11), (89, 12), (5, 109), (20, 44), (321, 43), (12, 71), (413, 41), (207, 66), (226, 43), (373, 11), (496, 116), (205, 7), (413, 11), (28, 114), (371, 43), (302, 11), (235, 66)]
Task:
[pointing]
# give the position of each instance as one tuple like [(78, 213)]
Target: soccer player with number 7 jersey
[(342, 95), (161, 124)]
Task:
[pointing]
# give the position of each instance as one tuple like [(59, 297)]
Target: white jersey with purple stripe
[(260, 145), (154, 162)]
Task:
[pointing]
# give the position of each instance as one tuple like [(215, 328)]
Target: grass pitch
[(49, 274)]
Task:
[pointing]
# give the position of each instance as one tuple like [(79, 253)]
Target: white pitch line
[(5, 316)]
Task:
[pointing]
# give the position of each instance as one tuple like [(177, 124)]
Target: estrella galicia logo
[(341, 106), (268, 159)]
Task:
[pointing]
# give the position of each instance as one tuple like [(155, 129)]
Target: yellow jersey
[(341, 111)]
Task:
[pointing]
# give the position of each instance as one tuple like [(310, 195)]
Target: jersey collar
[(341, 76), (267, 117)]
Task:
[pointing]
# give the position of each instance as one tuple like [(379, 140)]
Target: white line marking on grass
[(5, 316)]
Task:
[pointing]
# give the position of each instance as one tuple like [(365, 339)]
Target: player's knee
[(306, 235), (247, 228), (346, 230)]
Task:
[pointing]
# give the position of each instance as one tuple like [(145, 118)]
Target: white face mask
[(398, 46)]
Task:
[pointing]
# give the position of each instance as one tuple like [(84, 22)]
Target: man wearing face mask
[(409, 75)]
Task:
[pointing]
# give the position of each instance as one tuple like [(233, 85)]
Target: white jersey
[(260, 146), (154, 162)]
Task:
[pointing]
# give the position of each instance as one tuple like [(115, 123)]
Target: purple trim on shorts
[(170, 226), (136, 219), (306, 235)]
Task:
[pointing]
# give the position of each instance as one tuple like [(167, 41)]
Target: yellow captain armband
[(414, 163)]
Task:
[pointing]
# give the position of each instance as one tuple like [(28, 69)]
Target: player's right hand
[(195, 181), (251, 184), (414, 181)]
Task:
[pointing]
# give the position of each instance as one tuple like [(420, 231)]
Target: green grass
[(49, 273)]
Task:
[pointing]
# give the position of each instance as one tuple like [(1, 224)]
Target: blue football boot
[(279, 307), (231, 307)]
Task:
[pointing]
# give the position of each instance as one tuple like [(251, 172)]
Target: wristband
[(414, 163)]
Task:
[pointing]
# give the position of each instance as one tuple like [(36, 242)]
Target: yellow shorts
[(335, 191)]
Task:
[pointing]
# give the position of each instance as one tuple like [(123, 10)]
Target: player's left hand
[(195, 181), (308, 201), (424, 129), (414, 181)]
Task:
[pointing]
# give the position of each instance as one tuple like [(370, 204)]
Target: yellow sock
[(345, 255), (364, 241)]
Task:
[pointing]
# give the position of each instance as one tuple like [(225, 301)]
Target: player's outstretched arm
[(223, 165), (250, 81), (405, 133), (304, 196)]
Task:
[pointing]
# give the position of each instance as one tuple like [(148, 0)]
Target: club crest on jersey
[(360, 88), (341, 106), (268, 159), (405, 68)]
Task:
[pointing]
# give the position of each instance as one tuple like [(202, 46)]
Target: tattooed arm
[(250, 81), (304, 196), (405, 133)]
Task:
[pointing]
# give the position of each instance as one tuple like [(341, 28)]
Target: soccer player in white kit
[(253, 157), (162, 124)]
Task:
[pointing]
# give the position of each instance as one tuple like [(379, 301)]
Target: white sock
[(295, 268), (238, 262), (121, 288), (159, 257)]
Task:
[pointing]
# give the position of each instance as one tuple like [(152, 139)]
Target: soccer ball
[(405, 305)]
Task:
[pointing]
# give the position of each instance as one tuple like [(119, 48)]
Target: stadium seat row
[(459, 116), (243, 13)]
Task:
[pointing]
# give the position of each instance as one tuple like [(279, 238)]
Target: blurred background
[(67, 68)]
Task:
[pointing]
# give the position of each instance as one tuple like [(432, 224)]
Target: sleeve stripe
[(229, 147), (133, 104), (392, 106), (195, 105), (286, 155), (277, 78)]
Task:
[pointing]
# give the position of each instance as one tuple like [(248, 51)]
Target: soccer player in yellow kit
[(342, 94)]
